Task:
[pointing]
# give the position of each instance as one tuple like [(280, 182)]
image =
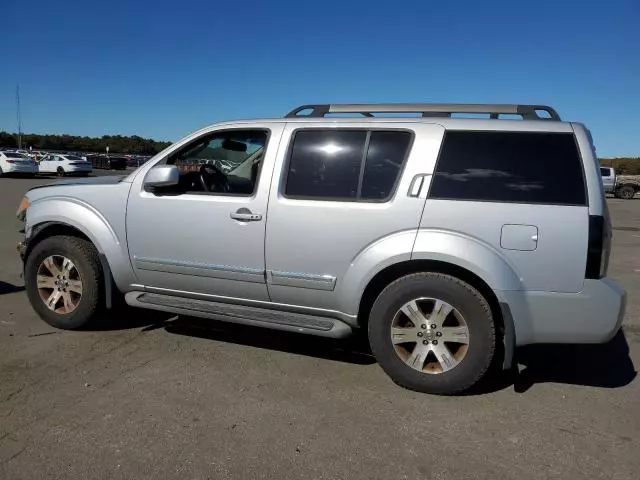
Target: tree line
[(117, 143), (623, 166)]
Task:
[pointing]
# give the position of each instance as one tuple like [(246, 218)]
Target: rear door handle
[(245, 215)]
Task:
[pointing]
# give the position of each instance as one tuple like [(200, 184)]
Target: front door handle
[(245, 215)]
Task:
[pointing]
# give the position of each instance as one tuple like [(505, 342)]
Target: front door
[(206, 237)]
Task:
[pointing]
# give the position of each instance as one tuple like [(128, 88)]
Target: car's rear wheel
[(63, 281), (432, 333), (626, 191)]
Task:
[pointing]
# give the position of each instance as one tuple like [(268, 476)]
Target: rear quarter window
[(518, 167)]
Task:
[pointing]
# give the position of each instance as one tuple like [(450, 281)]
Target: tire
[(467, 304), (626, 192), (84, 258), (60, 172)]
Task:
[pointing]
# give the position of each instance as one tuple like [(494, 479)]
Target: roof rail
[(527, 112)]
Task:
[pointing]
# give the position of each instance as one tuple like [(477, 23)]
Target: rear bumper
[(76, 169), (593, 315)]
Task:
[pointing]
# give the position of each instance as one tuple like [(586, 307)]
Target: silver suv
[(449, 240)]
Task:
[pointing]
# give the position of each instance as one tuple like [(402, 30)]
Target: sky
[(163, 69)]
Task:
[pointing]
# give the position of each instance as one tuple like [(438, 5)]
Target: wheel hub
[(430, 335)]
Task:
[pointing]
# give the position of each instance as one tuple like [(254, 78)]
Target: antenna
[(19, 116)]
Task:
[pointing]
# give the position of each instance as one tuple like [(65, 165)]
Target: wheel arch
[(636, 187), (46, 230), (499, 310), (65, 216)]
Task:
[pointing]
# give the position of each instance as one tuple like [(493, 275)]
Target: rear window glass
[(347, 165), (15, 155), (605, 172), (326, 164), (521, 167), (385, 157)]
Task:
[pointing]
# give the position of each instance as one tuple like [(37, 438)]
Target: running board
[(260, 317)]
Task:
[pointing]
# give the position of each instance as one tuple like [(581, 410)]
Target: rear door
[(520, 191), (340, 190)]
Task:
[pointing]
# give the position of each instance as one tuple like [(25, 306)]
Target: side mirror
[(161, 176)]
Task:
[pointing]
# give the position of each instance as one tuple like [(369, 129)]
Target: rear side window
[(605, 172), (346, 165), (385, 158), (520, 167)]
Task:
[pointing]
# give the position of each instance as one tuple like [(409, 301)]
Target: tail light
[(599, 248)]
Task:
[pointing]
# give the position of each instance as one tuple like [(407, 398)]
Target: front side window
[(345, 165), (521, 167), (223, 162)]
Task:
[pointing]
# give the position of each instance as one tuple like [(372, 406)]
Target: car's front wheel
[(63, 279), (432, 333)]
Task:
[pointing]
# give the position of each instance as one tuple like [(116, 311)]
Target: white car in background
[(63, 165), (14, 162)]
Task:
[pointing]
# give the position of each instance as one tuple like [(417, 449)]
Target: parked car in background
[(19, 163), (608, 175), (108, 162), (62, 165)]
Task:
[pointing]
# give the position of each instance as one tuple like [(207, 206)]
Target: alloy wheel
[(59, 284), (430, 335)]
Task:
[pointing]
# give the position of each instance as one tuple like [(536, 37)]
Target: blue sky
[(163, 69)]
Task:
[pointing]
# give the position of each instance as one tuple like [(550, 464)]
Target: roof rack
[(527, 112)]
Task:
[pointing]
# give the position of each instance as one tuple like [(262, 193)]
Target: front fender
[(85, 218), (470, 253)]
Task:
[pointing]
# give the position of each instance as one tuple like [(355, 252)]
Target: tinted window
[(331, 164), (385, 157), (15, 155), (326, 164), (605, 172), (525, 167)]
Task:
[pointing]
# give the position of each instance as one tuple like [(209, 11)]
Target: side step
[(260, 317)]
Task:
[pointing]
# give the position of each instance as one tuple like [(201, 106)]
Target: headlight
[(22, 209)]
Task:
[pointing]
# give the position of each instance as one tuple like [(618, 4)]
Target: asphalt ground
[(154, 396)]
